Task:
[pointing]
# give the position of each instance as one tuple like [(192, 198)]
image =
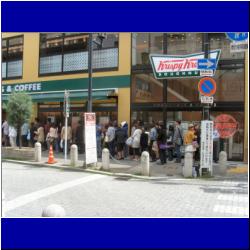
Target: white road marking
[(231, 210), (27, 198), (225, 197)]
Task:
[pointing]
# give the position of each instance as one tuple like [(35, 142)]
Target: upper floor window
[(68, 52), (12, 58)]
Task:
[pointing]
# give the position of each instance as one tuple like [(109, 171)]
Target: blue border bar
[(181, 16), (125, 233)]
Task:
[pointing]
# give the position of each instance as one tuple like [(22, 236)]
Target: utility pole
[(90, 72), (206, 107)]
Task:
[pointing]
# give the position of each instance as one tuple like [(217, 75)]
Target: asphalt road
[(30, 189)]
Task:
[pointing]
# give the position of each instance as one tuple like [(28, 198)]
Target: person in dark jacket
[(162, 137), (120, 139), (124, 126), (144, 140), (170, 144)]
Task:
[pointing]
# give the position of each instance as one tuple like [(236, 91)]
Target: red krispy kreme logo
[(177, 65), (226, 125)]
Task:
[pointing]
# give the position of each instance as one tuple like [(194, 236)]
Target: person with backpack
[(120, 139), (178, 140)]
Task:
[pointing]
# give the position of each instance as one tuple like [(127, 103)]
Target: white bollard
[(187, 170), (53, 210), (222, 168), (105, 159), (73, 155), (145, 163), (38, 152)]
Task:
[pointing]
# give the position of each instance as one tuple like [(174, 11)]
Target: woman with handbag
[(162, 137)]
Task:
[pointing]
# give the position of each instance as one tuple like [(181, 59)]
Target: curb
[(39, 164)]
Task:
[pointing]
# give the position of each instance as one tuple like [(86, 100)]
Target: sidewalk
[(132, 168)]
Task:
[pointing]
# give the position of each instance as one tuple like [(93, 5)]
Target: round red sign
[(226, 125)]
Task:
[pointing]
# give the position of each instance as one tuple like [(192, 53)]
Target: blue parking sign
[(237, 36)]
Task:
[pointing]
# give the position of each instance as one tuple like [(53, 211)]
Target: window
[(68, 52), (12, 58), (221, 41)]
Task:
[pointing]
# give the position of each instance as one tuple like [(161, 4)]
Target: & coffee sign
[(182, 66), (226, 125)]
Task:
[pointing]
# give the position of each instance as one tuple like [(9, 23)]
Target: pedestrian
[(124, 126), (79, 137), (190, 136), (178, 140), (120, 139), (136, 142), (153, 137), (161, 139), (111, 139), (216, 145), (32, 134), (170, 143), (39, 135), (5, 128), (67, 139), (12, 136), (24, 134), (99, 140), (196, 144), (144, 140), (52, 137)]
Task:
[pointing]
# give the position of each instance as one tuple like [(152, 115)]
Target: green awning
[(74, 95)]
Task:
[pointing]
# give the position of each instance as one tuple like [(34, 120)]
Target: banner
[(90, 138)]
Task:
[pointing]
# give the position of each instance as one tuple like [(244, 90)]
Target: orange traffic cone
[(51, 159)]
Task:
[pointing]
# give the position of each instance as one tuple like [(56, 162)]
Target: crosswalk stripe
[(225, 197), (235, 210), (27, 198)]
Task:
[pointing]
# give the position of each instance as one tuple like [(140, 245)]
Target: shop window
[(221, 41), (184, 43), (145, 88), (233, 145), (143, 44), (147, 117), (68, 53), (12, 58)]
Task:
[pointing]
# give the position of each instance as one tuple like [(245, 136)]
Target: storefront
[(178, 99)]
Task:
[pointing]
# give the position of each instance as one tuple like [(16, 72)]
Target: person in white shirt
[(5, 127), (12, 136), (136, 142)]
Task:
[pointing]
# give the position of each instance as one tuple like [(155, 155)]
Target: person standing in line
[(111, 139), (153, 138), (136, 142), (178, 140), (32, 130), (39, 135), (12, 136), (216, 145), (5, 127), (144, 140), (99, 140), (120, 139), (52, 137), (124, 127), (24, 134), (170, 138), (162, 137), (190, 135), (79, 137), (67, 139)]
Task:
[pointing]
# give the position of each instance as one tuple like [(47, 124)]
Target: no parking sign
[(207, 88)]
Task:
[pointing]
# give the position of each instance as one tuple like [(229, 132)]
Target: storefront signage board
[(206, 146), (182, 66), (237, 47), (237, 36), (90, 138), (226, 125)]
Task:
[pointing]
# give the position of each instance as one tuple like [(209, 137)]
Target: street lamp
[(99, 42)]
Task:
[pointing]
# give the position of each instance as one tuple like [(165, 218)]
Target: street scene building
[(124, 87)]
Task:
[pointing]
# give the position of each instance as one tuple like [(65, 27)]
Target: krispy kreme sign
[(175, 66)]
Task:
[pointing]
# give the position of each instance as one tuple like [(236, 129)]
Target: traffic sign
[(207, 86), (237, 36), (207, 99), (207, 63)]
